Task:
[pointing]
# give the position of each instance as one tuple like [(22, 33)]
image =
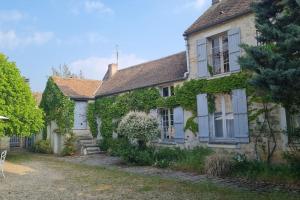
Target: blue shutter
[(202, 58), (203, 122), (179, 124), (240, 112), (234, 40)]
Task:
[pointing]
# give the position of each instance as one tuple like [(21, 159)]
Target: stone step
[(90, 145), (92, 148), (85, 137), (83, 142)]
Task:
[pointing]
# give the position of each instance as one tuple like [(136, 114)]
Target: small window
[(168, 91), (165, 91)]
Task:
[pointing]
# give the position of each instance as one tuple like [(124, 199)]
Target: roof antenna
[(117, 54)]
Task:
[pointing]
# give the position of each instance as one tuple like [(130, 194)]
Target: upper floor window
[(219, 56), (219, 53), (168, 91)]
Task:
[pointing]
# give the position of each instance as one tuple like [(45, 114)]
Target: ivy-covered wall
[(111, 109), (57, 107), (92, 118)]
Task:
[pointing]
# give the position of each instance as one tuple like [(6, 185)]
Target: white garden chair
[(2, 160)]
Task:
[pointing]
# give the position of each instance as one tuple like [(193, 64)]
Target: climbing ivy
[(57, 107), (92, 119), (111, 109)]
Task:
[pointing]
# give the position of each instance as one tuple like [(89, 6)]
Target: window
[(223, 117), (219, 56), (168, 91), (167, 117), (294, 127)]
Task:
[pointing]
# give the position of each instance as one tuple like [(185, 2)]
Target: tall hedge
[(17, 102)]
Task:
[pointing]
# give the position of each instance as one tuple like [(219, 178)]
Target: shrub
[(42, 146), (139, 127), (69, 145), (135, 155), (193, 160), (218, 165), (293, 160)]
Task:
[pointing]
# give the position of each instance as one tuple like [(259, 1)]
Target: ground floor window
[(167, 122), (294, 127), (223, 117)]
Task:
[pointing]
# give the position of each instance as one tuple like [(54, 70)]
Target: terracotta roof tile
[(77, 88), (147, 74), (220, 12)]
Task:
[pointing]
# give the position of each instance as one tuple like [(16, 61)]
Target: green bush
[(256, 170), (42, 146), (69, 145), (134, 155), (193, 160)]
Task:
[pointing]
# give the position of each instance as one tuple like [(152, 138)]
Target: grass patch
[(18, 157), (193, 160), (277, 173)]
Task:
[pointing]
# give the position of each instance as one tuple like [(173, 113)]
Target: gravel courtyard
[(30, 176)]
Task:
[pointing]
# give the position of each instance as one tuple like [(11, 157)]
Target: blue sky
[(83, 34)]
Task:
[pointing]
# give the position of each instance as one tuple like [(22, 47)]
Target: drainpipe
[(187, 58)]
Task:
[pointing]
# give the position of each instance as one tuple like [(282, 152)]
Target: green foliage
[(186, 94), (193, 160), (42, 146), (17, 102), (263, 171), (112, 109), (58, 107), (69, 145), (275, 63), (175, 158), (92, 119), (191, 125)]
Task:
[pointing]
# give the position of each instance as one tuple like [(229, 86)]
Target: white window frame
[(221, 51), (225, 116), (167, 130), (168, 127)]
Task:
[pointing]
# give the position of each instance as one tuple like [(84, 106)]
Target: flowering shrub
[(139, 127)]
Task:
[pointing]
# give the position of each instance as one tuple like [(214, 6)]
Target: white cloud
[(96, 6), (91, 6), (11, 15), (95, 67), (11, 40)]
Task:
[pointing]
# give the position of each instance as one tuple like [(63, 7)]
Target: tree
[(17, 102), (275, 63), (65, 72)]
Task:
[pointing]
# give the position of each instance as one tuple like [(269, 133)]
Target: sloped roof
[(219, 13), (167, 69), (77, 88)]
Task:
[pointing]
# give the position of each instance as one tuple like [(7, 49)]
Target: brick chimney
[(111, 70), (215, 2)]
